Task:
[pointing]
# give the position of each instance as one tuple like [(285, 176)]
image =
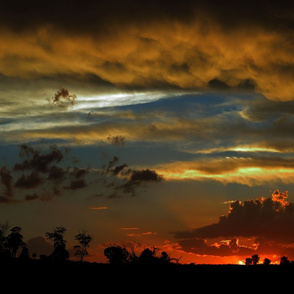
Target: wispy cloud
[(99, 207)]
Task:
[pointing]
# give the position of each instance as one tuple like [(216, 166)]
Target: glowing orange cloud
[(249, 171), (190, 54)]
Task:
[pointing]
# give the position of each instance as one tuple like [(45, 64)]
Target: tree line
[(254, 260), (11, 242), (12, 246)]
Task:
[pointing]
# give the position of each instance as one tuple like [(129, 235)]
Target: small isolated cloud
[(138, 178), (98, 207), (62, 98), (116, 140), (141, 234), (123, 179)]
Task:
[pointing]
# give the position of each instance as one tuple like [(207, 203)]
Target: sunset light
[(147, 130)]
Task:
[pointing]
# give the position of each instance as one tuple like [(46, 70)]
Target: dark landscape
[(85, 275)]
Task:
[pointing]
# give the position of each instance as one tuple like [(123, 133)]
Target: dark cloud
[(99, 14), (33, 180), (116, 140), (224, 248), (43, 172), (122, 179), (79, 173), (30, 197), (6, 179), (145, 175), (77, 176), (36, 161), (62, 98), (56, 173), (261, 110), (76, 184), (37, 167), (269, 218), (154, 44), (139, 178), (263, 225)]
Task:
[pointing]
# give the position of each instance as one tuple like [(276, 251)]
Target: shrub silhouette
[(116, 255), (119, 255)]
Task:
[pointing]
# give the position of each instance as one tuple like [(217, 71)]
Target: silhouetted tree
[(14, 241), (248, 261), (4, 251), (84, 240), (59, 252), (266, 261), (147, 256), (255, 259), (24, 255), (116, 255), (284, 260)]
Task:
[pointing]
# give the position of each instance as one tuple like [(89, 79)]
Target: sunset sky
[(150, 123)]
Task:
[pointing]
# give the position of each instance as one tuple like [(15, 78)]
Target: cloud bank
[(183, 45), (268, 222)]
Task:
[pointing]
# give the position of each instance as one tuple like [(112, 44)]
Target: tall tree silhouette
[(4, 252), (84, 240), (59, 253), (255, 259), (14, 240), (248, 261)]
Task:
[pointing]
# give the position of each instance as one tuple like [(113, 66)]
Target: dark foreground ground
[(86, 277)]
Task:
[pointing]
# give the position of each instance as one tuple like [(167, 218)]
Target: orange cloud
[(168, 52), (248, 171)]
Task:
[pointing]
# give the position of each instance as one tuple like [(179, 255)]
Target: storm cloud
[(270, 219), (135, 45)]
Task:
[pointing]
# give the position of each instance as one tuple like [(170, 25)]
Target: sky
[(150, 123)]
